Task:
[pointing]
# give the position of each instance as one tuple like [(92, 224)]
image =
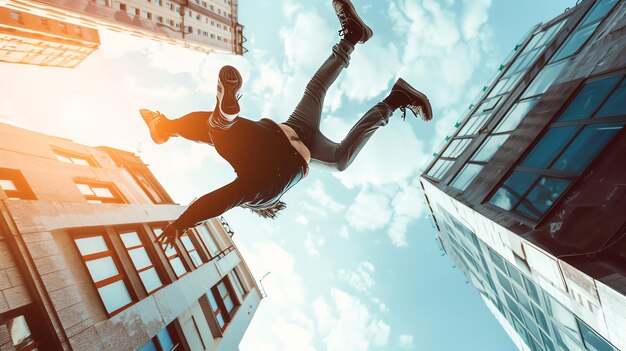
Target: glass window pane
[(220, 320), (489, 148), (523, 301), (513, 307), (115, 296), (544, 79), (504, 282), (593, 341), (600, 9), (574, 42), (586, 147), (513, 189), (102, 192), (440, 168), (455, 148), (91, 245), (547, 342), (170, 251), (221, 288), (212, 301), (615, 105), (19, 331), (186, 240), (140, 258), (150, 346), (543, 195), (84, 189), (131, 239), (515, 115), (466, 176), (234, 277), (150, 279), (548, 148), (531, 326), (63, 158), (208, 240), (195, 258), (165, 340), (102, 268), (531, 288), (588, 99), (80, 161), (6, 184), (513, 273), (178, 266), (540, 317), (228, 303), (499, 261)]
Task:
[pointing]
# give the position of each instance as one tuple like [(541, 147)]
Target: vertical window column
[(142, 261), (105, 273), (172, 256)]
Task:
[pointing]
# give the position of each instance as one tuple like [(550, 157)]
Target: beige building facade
[(204, 25), (30, 39), (79, 269)]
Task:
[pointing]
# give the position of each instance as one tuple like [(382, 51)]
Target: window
[(16, 16), (99, 192), (580, 133), (104, 272), (191, 249), (222, 305), (207, 239), (166, 340), (62, 27), (142, 261), (14, 185), (592, 340), (173, 256), (75, 158), (44, 22), (25, 332), (480, 116), (237, 284), (584, 30)]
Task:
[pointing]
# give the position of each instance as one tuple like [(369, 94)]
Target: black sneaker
[(351, 23), (228, 85), (152, 119), (415, 101)]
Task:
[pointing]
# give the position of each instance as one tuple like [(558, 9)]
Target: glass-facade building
[(527, 193)]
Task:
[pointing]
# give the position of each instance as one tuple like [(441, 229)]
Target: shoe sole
[(367, 31), (428, 111), (150, 118), (229, 83)]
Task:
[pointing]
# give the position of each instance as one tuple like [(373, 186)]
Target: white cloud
[(405, 341), (390, 156), (360, 278), (408, 206), (369, 211), (366, 77), (300, 219), (475, 15), (280, 323), (346, 324), (321, 197), (313, 244), (344, 233)]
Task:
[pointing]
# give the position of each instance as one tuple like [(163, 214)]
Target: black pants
[(305, 119)]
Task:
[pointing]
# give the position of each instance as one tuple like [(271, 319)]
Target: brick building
[(79, 269), (528, 193), (30, 39), (204, 25)]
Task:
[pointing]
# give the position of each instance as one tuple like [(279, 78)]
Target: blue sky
[(353, 260)]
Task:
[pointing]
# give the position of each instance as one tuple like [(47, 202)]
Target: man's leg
[(192, 126), (339, 156), (305, 119)]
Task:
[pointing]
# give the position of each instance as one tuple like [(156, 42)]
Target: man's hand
[(168, 237)]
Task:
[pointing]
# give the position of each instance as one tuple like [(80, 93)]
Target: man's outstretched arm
[(208, 206)]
